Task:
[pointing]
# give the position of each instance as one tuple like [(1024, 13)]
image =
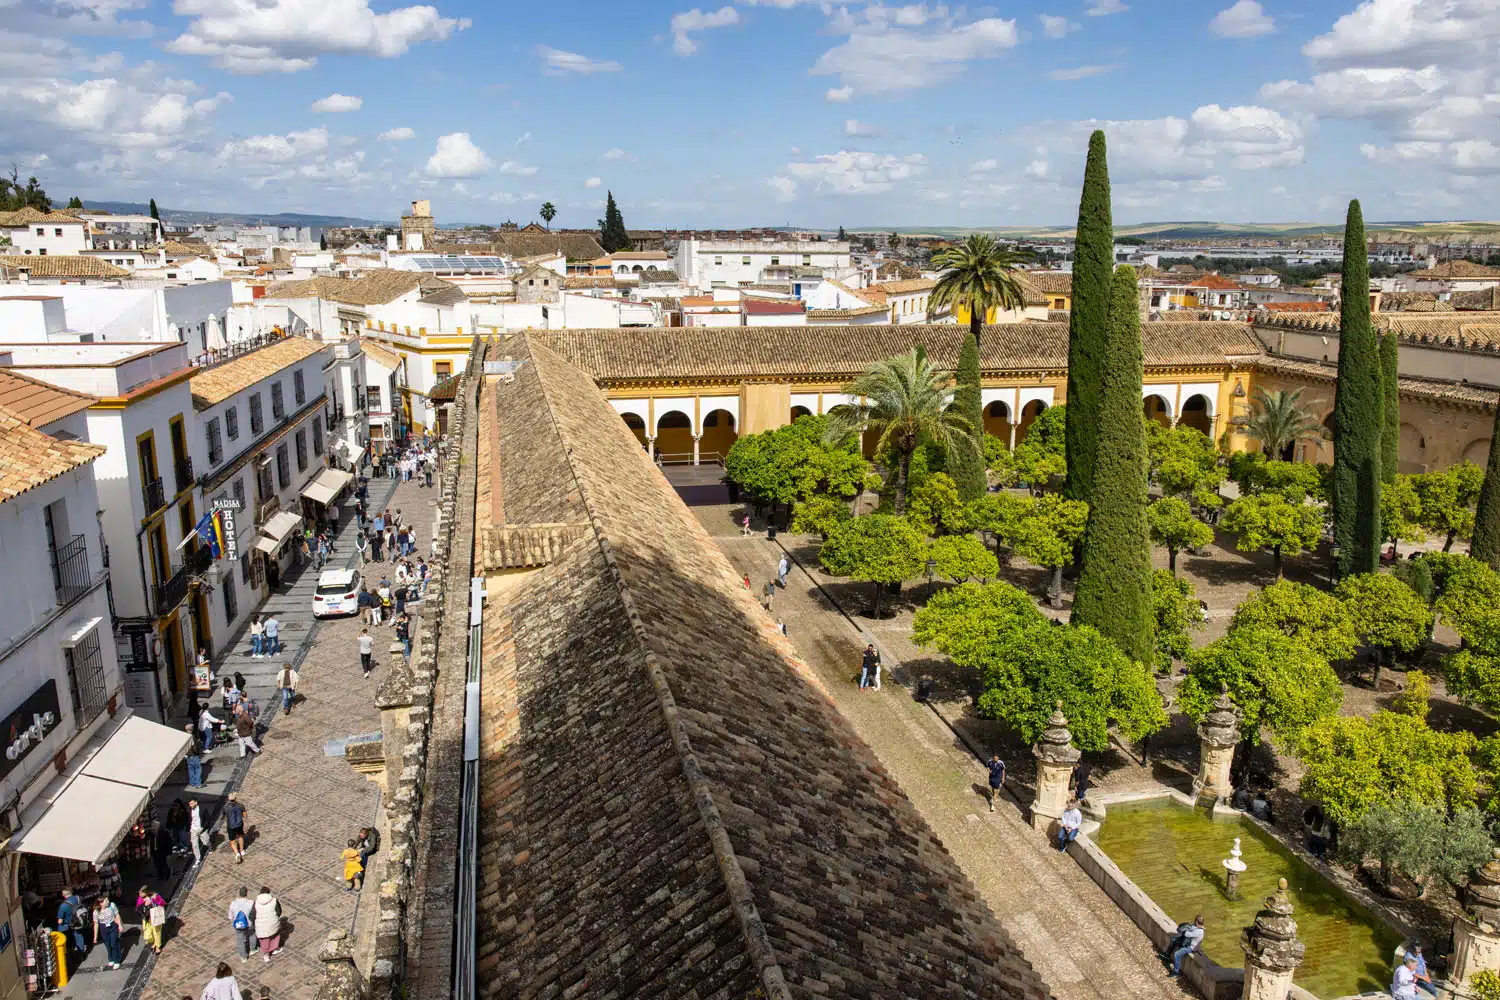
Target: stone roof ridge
[(736, 886)]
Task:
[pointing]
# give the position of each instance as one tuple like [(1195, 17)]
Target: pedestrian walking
[(368, 605), (242, 920), (222, 986), (286, 687), (257, 637), (997, 778), (161, 849), (273, 636), (107, 926), (234, 822), (403, 634), (230, 693), (268, 923), (177, 825), (781, 626), (770, 594), (745, 527), (244, 729), (152, 909), (782, 568), (362, 544), (1083, 780), (366, 651), (73, 919), (869, 664), (384, 593), (206, 722), (354, 868), (194, 759), (197, 835)]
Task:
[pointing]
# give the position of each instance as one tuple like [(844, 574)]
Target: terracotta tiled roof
[(638, 255), (846, 313), (1455, 269), (773, 307), (658, 276), (665, 781), (589, 281), (1050, 282), (383, 355), (866, 295), (1425, 388), (1216, 282), (1479, 300), (38, 403), (29, 458), (1413, 302), (575, 246), (375, 287), (62, 266), (842, 352), (179, 248), (1297, 307), (222, 381), (27, 216), (1464, 330), (906, 286)]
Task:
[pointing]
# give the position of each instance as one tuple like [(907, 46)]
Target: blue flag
[(210, 537)]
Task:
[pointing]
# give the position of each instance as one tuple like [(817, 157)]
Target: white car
[(337, 593)]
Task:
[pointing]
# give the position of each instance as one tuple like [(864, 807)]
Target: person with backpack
[(286, 686), (369, 843), (242, 919), (73, 919), (234, 821)]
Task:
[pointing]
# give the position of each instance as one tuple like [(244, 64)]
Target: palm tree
[(1279, 421), (548, 213), (904, 400), (979, 275)]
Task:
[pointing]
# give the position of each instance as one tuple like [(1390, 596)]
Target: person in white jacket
[(268, 923), (223, 985)]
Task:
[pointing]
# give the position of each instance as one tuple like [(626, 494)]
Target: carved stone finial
[(1482, 895), (1056, 745), (1271, 942), (1221, 726)]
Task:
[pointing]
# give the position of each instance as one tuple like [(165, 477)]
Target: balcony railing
[(70, 570), (153, 496), (184, 469), (199, 562), (167, 596), (241, 346)]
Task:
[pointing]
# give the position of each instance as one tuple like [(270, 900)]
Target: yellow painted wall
[(764, 406)]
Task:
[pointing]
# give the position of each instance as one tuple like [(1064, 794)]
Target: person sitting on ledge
[(1188, 939), (1068, 824)]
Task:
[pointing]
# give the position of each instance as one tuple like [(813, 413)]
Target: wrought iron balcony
[(70, 570), (184, 469), (169, 595), (201, 559), (153, 496)]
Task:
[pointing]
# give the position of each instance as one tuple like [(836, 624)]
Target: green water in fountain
[(1175, 855)]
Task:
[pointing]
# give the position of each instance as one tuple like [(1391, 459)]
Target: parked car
[(337, 593)]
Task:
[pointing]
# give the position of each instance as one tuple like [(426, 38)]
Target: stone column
[(1476, 932), (651, 447), (1272, 951), (341, 980), (696, 439), (1219, 733), (1055, 758)]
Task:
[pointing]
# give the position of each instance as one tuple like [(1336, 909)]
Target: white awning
[(326, 485), (274, 531), (86, 812)]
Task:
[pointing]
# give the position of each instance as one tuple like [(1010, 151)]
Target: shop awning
[(86, 812), (326, 485), (274, 531)]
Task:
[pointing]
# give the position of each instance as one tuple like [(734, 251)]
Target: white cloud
[(336, 104), (1409, 32), (1249, 137), (457, 156), (984, 166), (616, 153), (522, 139), (285, 36), (1376, 92), (1246, 19), (1101, 8), (261, 149), (853, 172), (1056, 26), (696, 20), (593, 182), (838, 95), (140, 107), (1082, 72), (894, 49), (1038, 170), (783, 189), (560, 63), (514, 169), (857, 128), (400, 134)]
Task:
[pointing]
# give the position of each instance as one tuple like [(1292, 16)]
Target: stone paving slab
[(1080, 942)]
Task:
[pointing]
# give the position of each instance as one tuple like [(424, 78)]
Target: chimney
[(24, 275)]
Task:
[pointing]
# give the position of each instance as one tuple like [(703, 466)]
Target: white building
[(344, 381), (200, 315), (32, 232), (121, 232), (385, 378), (708, 264), (905, 300)]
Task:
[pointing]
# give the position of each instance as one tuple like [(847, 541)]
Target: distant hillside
[(185, 217), (1392, 232)]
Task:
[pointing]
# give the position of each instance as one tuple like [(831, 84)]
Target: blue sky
[(761, 112)]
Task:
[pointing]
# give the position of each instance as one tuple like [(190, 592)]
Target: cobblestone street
[(302, 799)]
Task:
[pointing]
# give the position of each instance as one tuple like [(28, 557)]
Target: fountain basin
[(1172, 855)]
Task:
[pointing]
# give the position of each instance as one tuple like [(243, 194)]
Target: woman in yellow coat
[(354, 869)]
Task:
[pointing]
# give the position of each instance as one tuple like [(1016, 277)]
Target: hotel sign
[(28, 725), (229, 507)]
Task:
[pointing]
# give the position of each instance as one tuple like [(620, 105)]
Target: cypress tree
[(154, 213), (613, 235), (965, 462), (1358, 414), (1390, 437), (1114, 586), (1088, 323), (1486, 543)]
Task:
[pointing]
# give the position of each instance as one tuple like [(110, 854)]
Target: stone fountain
[(1233, 868)]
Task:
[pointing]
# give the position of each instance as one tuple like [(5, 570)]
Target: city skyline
[(761, 112)]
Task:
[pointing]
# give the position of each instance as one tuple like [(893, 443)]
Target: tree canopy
[(970, 623), (15, 195), (880, 549), (1359, 413), (613, 235), (1447, 500), (1277, 682), (1174, 604), (1174, 528), (797, 462), (1278, 420), (1273, 522), (1385, 612), (963, 557), (1312, 617), (1088, 319)]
